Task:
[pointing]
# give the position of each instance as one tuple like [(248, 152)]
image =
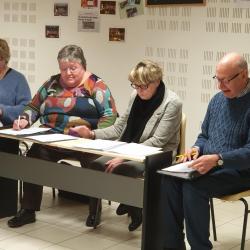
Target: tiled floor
[(60, 226)]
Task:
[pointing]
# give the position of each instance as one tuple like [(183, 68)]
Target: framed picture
[(60, 9), (89, 3), (108, 7), (117, 34), (174, 2), (51, 31)]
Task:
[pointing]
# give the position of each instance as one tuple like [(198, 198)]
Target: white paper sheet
[(134, 149), (52, 137), (26, 131), (99, 144), (181, 167)]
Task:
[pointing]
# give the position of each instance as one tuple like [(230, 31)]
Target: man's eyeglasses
[(141, 86), (226, 81)]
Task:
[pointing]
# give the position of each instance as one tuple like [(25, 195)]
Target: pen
[(18, 121), (178, 156)]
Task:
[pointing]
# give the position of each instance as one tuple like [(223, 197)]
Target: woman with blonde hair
[(14, 88), (14, 95), (152, 118)]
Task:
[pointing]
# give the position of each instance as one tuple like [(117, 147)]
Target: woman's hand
[(82, 131), (19, 124), (112, 164)]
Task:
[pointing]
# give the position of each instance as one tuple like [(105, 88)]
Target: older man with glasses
[(220, 154)]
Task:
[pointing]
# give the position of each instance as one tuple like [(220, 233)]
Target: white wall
[(186, 40)]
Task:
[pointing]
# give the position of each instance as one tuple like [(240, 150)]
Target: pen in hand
[(18, 122), (184, 155)]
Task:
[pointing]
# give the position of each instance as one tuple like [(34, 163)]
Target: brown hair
[(4, 51)]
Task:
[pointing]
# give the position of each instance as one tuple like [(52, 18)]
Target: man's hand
[(190, 154), (205, 163), (112, 164)]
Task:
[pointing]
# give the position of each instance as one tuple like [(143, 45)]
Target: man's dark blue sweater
[(226, 131)]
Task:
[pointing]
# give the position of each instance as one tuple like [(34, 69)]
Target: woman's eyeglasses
[(139, 86)]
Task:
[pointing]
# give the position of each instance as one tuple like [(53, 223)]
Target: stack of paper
[(99, 144), (135, 149), (52, 137), (131, 149), (181, 170), (25, 131)]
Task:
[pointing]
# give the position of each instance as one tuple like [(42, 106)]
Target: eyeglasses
[(141, 86), (70, 69), (226, 81)]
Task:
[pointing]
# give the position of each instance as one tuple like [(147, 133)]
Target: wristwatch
[(220, 162)]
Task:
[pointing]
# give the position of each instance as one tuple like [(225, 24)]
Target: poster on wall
[(51, 31), (173, 2), (89, 3), (117, 34), (130, 8), (88, 20), (107, 7), (61, 9), (242, 3)]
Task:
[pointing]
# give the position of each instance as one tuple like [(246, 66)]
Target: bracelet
[(92, 134)]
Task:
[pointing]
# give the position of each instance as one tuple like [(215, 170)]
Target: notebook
[(181, 170)]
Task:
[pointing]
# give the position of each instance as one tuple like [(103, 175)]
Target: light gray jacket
[(162, 129)]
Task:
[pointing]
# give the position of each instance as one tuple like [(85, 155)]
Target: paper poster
[(89, 3), (130, 8), (242, 3), (88, 20)]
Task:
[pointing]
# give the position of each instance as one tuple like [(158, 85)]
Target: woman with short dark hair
[(69, 99)]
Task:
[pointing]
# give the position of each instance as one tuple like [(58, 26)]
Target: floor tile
[(87, 242), (5, 234), (60, 225), (123, 247), (23, 242), (53, 234), (56, 247), (114, 232)]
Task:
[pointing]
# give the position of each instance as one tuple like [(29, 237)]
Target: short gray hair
[(242, 63), (72, 53)]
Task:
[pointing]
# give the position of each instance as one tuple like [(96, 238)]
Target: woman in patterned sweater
[(72, 98)]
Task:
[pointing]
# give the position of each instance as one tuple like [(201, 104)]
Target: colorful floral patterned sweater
[(89, 104)]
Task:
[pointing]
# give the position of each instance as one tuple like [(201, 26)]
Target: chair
[(23, 149), (181, 147), (234, 197), (75, 163)]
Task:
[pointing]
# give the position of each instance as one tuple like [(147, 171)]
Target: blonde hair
[(145, 72), (4, 51)]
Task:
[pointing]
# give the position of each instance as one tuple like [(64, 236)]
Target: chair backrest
[(235, 197), (23, 148), (181, 147)]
